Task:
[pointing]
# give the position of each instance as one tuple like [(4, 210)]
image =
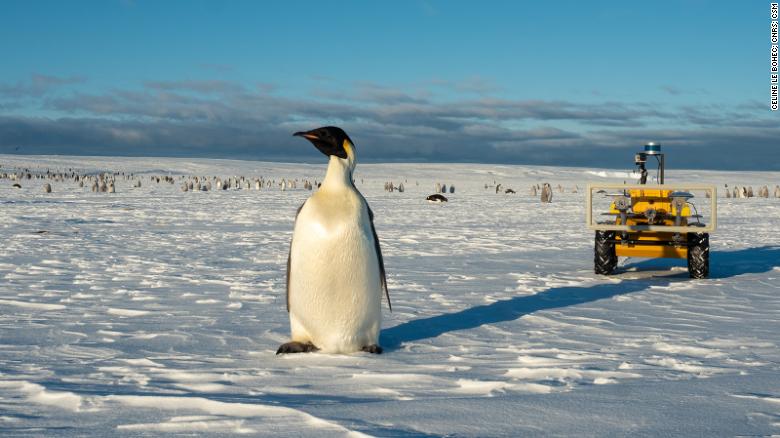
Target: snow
[(153, 311)]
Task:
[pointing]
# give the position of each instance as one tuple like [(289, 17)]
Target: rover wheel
[(604, 257), (698, 255)]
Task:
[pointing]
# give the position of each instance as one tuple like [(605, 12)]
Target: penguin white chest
[(335, 287)]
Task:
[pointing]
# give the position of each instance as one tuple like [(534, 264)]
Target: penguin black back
[(436, 197)]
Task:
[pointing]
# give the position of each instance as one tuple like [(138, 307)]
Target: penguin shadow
[(723, 264)]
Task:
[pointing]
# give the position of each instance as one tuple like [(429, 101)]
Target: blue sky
[(524, 82)]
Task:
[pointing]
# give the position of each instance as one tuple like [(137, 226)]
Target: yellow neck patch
[(349, 148)]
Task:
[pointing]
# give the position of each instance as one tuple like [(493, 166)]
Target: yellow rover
[(652, 220)]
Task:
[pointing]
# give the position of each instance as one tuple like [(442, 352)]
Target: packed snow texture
[(151, 310)]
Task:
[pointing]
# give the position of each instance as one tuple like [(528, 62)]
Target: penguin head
[(331, 141)]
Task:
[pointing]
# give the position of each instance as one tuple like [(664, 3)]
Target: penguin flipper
[(382, 276), (287, 293), (289, 259)]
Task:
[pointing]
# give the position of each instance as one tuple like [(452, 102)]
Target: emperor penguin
[(335, 270), (547, 193)]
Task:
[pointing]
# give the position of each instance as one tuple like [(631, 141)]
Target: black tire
[(604, 257), (698, 255)]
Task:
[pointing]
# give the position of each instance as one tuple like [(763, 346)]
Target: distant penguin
[(509, 191), (335, 270), (401, 188), (436, 197), (111, 188), (47, 188), (498, 188), (547, 193), (777, 191), (452, 189), (533, 190), (444, 188), (728, 192), (438, 187)]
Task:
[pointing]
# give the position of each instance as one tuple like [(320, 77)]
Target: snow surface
[(153, 311)]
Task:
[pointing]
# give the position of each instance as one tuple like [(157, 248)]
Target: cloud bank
[(461, 122)]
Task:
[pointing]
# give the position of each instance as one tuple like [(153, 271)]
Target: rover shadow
[(723, 264)]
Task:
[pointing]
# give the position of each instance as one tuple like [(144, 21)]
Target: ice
[(126, 312), (32, 305), (34, 393), (153, 311)]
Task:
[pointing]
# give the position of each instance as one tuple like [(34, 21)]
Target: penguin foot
[(373, 348), (296, 347)]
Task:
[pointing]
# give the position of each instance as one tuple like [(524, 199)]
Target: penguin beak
[(306, 135), (326, 147)]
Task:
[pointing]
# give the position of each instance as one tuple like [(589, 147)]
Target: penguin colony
[(391, 187), (533, 191), (109, 182), (747, 192), (98, 182)]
